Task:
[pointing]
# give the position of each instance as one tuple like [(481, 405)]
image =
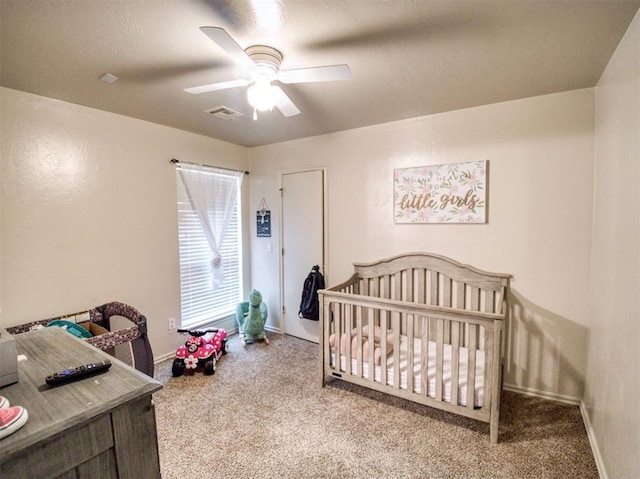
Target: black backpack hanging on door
[(309, 306)]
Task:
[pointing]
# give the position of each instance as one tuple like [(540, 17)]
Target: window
[(210, 241)]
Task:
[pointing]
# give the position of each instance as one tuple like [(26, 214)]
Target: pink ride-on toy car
[(200, 353)]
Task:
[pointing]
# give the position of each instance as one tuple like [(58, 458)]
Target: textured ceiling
[(408, 57)]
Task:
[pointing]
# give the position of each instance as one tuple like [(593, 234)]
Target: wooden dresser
[(101, 426)]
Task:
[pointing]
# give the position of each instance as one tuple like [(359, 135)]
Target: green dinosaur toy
[(252, 316)]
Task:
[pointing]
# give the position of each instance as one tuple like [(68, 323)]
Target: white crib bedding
[(417, 371)]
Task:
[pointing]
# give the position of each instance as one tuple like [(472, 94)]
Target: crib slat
[(410, 352), (326, 325), (471, 366), (489, 301), (426, 339), (390, 285), (424, 358), (446, 291), (455, 362), (383, 316), (371, 345), (375, 291), (337, 331), (347, 332), (359, 314), (434, 296), (475, 298), (385, 287), (488, 367), (433, 288), (364, 286), (460, 302), (499, 302), (493, 394), (399, 284), (439, 358), (395, 291), (408, 285), (446, 301), (383, 349), (421, 287), (460, 295), (396, 350)]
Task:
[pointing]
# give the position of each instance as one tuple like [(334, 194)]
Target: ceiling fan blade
[(284, 103), (196, 90), (223, 40), (315, 74)]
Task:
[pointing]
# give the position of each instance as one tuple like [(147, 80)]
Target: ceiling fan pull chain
[(255, 114)]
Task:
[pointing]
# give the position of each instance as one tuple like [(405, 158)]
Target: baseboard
[(574, 401), (602, 472), (164, 357)]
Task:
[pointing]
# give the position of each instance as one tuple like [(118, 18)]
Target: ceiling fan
[(262, 63)]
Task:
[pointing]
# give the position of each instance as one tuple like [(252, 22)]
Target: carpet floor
[(264, 415)]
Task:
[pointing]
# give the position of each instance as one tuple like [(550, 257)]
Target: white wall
[(613, 374), (89, 211), (540, 153)]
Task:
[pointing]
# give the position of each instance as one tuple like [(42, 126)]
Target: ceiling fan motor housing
[(268, 59)]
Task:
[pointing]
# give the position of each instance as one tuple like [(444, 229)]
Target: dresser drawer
[(63, 453)]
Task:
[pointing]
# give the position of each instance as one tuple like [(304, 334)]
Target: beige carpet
[(264, 415)]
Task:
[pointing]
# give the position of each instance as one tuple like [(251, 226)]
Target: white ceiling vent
[(224, 113)]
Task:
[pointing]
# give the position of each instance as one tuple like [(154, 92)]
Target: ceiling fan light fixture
[(261, 95), (262, 63)]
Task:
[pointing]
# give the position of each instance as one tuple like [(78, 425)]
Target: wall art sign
[(263, 224), (263, 220), (450, 193)]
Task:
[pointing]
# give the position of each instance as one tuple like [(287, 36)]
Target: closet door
[(303, 244)]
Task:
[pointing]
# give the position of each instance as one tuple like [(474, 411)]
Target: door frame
[(325, 228)]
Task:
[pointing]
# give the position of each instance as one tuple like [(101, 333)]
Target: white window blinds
[(210, 243)]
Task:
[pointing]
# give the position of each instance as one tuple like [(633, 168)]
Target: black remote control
[(73, 374)]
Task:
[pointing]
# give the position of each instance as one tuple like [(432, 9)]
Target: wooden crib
[(437, 325)]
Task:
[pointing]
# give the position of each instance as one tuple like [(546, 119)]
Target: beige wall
[(540, 153), (613, 377), (89, 211), (88, 216)]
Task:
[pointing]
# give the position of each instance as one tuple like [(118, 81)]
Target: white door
[(302, 244)]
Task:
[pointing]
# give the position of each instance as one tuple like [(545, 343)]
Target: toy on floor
[(252, 316), (200, 353)]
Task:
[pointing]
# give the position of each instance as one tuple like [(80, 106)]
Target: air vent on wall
[(224, 113)]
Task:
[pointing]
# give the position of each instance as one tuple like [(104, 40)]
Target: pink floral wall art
[(450, 193)]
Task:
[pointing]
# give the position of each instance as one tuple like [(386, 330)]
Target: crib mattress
[(417, 371)]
